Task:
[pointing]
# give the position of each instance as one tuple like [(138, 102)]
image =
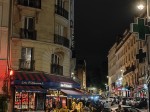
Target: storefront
[(33, 91), (28, 91), (60, 91), (141, 91)]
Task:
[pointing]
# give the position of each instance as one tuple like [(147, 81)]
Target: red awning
[(30, 76), (37, 89), (71, 92)]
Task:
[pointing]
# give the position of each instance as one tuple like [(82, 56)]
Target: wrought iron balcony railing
[(30, 3), (28, 34), (129, 69), (26, 64), (61, 40), (56, 69), (61, 11)]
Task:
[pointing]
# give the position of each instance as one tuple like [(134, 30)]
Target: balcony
[(61, 11), (56, 69), (129, 69), (61, 40), (30, 3), (26, 64), (27, 34)]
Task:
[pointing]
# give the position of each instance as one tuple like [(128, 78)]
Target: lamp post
[(141, 7)]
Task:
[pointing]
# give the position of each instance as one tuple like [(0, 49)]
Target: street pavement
[(143, 110)]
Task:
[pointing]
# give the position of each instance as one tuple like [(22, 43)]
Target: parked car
[(125, 108)]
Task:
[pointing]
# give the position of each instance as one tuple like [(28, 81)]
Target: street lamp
[(141, 5)]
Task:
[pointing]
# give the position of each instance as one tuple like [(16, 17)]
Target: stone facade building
[(126, 70), (4, 48), (41, 34)]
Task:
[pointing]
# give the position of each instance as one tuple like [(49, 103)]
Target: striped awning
[(42, 79), (37, 89), (29, 78), (71, 92), (32, 76)]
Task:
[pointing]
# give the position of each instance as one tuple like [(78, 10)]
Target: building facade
[(128, 68), (41, 36), (41, 39), (4, 25)]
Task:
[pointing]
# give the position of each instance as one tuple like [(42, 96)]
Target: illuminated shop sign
[(66, 85), (31, 83)]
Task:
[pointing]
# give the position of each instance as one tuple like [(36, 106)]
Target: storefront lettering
[(66, 85), (31, 83)]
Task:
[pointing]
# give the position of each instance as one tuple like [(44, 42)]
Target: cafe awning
[(36, 89), (29, 78), (42, 79), (72, 93), (57, 81)]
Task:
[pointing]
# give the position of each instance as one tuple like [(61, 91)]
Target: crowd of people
[(82, 105)]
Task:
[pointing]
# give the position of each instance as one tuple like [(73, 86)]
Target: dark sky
[(97, 24)]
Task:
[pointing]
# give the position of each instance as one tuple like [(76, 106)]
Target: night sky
[(97, 24)]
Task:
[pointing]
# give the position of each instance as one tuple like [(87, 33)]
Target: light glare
[(140, 6)]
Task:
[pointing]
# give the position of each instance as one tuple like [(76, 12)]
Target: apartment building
[(4, 25), (125, 68), (41, 39)]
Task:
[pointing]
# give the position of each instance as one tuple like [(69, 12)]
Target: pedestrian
[(119, 109)]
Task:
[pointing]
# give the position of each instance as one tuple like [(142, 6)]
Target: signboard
[(140, 28), (31, 83), (66, 85)]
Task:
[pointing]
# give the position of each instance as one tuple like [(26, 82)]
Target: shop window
[(21, 101), (29, 101), (40, 101)]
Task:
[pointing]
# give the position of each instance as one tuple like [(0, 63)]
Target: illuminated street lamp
[(141, 5)]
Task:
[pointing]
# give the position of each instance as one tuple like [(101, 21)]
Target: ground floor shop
[(121, 91), (29, 101), (40, 92)]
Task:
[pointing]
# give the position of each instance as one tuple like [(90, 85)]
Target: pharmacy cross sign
[(141, 55), (140, 28)]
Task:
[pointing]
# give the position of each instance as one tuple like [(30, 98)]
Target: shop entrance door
[(40, 101)]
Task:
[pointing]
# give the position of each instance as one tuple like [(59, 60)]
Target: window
[(29, 23), (60, 3), (60, 30), (26, 53), (28, 28), (26, 61), (55, 59), (30, 3), (56, 68)]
